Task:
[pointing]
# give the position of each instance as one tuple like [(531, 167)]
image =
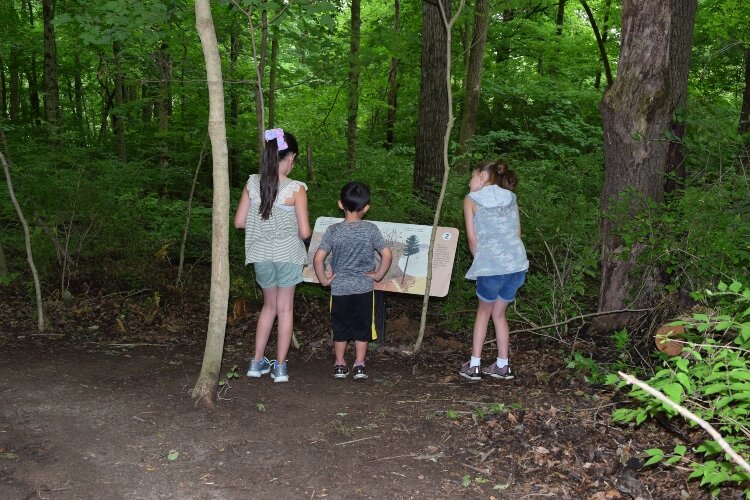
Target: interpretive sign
[(410, 246)]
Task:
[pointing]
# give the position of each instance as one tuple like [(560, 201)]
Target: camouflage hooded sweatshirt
[(499, 246)]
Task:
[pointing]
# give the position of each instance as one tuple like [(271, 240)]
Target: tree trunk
[(3, 90), (3, 262), (14, 106), (147, 109), (260, 71), (51, 88), (235, 168), (31, 73), (433, 104), (448, 23), (310, 171), (208, 381), (34, 100), (473, 82), (744, 127), (78, 93), (604, 36), (680, 43), (600, 43), (636, 111), (560, 17), (272, 79), (164, 103), (502, 50), (27, 238), (351, 119), (118, 122), (390, 128)]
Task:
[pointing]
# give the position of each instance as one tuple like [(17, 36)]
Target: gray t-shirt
[(352, 246)]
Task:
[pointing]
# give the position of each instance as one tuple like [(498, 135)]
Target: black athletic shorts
[(353, 318)]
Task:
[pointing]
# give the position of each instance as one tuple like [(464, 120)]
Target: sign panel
[(410, 245)]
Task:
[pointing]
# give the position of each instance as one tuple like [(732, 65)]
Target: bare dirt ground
[(99, 407)]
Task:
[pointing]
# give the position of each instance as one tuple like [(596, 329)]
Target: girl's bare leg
[(265, 321), (502, 332), (285, 313), (484, 311)]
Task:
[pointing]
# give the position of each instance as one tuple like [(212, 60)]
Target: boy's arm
[(386, 256), (319, 267)]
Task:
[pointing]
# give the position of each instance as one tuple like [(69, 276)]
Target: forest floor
[(99, 407)]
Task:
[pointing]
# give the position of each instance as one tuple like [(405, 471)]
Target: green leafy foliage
[(712, 379)]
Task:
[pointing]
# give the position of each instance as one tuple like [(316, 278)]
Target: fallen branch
[(691, 416), (356, 440), (582, 316)]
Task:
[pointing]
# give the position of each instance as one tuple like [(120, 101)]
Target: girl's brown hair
[(269, 171), (499, 173)]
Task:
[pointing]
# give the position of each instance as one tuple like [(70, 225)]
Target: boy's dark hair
[(355, 196)]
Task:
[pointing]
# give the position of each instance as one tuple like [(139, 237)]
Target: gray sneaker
[(494, 371), (258, 368), (279, 372), (470, 372)]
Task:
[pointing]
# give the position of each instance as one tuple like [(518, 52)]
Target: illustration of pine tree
[(412, 247)]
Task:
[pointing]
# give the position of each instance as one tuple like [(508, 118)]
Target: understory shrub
[(711, 378)]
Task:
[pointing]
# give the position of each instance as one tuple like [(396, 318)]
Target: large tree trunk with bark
[(636, 112), (681, 41), (51, 88), (353, 113), (208, 381), (473, 82), (433, 104)]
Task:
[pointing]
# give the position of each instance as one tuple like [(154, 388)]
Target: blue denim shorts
[(277, 274), (500, 287)]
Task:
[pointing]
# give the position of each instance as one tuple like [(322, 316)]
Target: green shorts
[(277, 274)]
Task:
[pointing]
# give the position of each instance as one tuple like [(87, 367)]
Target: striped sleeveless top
[(275, 239)]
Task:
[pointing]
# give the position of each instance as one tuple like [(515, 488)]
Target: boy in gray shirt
[(353, 244)]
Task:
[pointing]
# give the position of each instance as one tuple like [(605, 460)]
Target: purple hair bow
[(278, 134)]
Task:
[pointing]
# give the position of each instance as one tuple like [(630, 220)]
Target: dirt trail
[(100, 422)]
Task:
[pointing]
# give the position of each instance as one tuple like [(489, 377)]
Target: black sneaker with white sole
[(340, 371), (359, 372)]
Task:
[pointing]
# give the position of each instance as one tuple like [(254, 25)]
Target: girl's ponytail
[(505, 177), (269, 175), (279, 145), (499, 173)]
